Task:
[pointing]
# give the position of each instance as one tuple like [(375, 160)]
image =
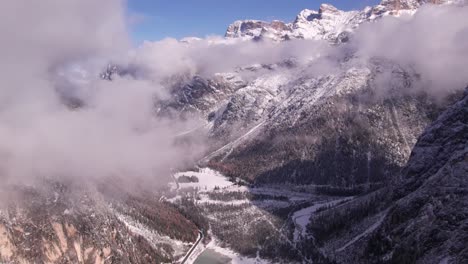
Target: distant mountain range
[(328, 23)]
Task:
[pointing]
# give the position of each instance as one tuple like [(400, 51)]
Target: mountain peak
[(326, 23), (328, 8), (306, 15), (242, 28)]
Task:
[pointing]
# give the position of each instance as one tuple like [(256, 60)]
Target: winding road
[(189, 253), (200, 233)]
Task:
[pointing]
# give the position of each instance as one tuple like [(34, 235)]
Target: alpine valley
[(334, 156)]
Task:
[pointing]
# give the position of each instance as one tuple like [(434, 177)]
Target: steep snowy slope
[(419, 217), (289, 126), (428, 223)]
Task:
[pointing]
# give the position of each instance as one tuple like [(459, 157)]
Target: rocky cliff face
[(288, 126), (69, 223), (327, 23), (428, 223), (419, 217)]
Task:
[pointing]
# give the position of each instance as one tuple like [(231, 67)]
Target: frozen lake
[(210, 256)]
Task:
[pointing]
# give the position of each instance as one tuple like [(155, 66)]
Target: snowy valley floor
[(263, 224)]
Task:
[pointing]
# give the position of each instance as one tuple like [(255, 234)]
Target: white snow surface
[(208, 180)]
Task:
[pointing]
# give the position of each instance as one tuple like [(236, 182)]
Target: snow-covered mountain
[(428, 220), (326, 167), (333, 129), (327, 23), (340, 134), (340, 128)]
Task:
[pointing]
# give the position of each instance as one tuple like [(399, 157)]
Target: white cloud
[(43, 44), (433, 43)]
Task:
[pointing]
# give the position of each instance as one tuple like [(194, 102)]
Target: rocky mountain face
[(428, 222), (63, 222), (327, 23), (288, 126), (418, 218)]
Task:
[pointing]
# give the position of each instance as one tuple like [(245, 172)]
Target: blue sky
[(158, 19)]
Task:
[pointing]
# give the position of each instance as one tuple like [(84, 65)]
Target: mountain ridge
[(327, 23)]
